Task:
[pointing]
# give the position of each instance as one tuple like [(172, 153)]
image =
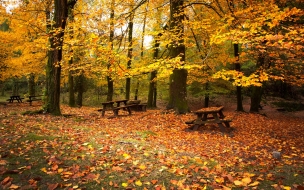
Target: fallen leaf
[(138, 183), (52, 186), (256, 183)]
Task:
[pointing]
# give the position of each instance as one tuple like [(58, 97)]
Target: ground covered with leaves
[(147, 150)]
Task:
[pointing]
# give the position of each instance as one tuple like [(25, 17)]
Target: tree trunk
[(31, 85), (80, 89), (257, 91), (178, 80), (152, 91), (15, 87), (130, 50), (71, 77), (109, 79), (152, 95), (53, 68), (238, 88), (256, 97), (71, 90)]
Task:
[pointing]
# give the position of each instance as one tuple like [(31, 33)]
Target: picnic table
[(13, 98), (203, 117), (34, 98), (109, 106)]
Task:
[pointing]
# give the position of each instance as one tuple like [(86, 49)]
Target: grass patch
[(290, 106), (35, 112)]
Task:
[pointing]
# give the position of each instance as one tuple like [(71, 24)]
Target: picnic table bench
[(34, 98), (137, 106), (109, 106), (202, 118), (17, 98)]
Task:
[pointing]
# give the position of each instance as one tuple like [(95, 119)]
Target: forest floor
[(149, 150)]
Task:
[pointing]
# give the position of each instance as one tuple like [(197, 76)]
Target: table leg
[(103, 110), (222, 116), (217, 119)]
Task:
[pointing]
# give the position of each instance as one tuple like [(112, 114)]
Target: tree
[(53, 70), (178, 79)]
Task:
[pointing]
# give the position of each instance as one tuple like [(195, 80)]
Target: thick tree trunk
[(178, 80), (31, 85), (130, 55), (256, 97), (53, 68), (238, 88)]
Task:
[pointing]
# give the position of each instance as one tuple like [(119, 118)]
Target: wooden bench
[(34, 98), (137, 106)]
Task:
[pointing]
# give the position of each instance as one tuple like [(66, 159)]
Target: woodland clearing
[(148, 150)]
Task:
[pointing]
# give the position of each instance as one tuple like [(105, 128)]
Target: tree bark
[(178, 80), (130, 55), (80, 89), (53, 68)]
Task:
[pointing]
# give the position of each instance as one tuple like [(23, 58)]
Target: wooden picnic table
[(34, 98), (17, 98), (109, 106), (209, 115)]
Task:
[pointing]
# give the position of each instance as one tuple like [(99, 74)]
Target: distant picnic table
[(203, 117), (122, 105), (34, 98), (15, 98)]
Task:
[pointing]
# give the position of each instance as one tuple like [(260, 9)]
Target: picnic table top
[(209, 110)]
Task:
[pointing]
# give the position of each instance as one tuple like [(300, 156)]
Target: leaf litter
[(150, 149)]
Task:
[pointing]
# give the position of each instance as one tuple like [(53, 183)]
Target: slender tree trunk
[(71, 89), (130, 50), (238, 88), (15, 87), (109, 79), (207, 95), (80, 89), (178, 80), (31, 85), (152, 95), (71, 77)]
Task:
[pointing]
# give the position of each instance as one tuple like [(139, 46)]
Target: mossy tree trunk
[(178, 80)]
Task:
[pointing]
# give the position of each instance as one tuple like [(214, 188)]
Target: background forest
[(82, 52)]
